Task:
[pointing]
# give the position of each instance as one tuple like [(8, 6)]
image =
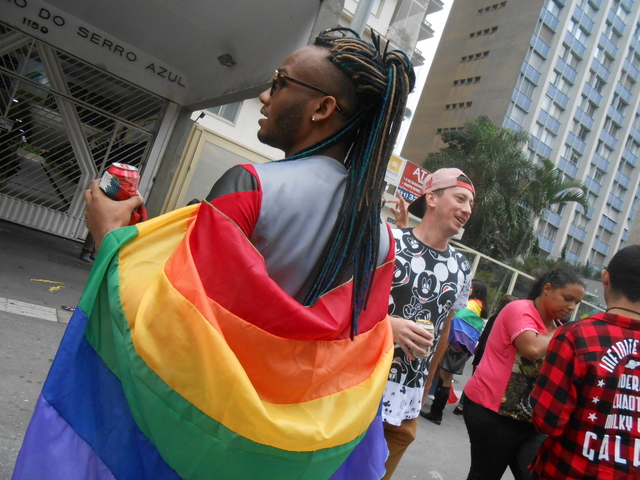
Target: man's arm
[(441, 347), (554, 396)]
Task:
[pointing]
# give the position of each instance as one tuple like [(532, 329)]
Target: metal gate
[(62, 122)]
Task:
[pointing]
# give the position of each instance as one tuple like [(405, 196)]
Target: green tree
[(511, 192), (548, 187)]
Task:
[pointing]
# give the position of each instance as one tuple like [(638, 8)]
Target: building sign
[(410, 184), (64, 31), (394, 167)]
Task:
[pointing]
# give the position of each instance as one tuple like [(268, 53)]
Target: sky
[(428, 49)]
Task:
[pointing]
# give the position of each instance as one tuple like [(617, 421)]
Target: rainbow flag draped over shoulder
[(185, 360)]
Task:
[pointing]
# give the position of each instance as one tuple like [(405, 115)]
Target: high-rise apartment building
[(568, 73)]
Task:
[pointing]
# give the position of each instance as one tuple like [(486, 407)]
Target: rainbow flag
[(466, 327), (185, 360)]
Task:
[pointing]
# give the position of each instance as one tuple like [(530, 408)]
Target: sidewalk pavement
[(41, 273)]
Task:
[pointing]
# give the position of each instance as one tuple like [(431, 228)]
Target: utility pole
[(361, 15)]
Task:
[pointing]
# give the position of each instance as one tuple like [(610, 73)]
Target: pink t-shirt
[(488, 384)]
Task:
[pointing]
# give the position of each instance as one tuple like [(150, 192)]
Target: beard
[(280, 130)]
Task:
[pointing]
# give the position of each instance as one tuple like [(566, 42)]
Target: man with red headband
[(431, 280)]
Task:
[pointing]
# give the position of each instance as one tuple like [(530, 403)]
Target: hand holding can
[(120, 182), (428, 326)]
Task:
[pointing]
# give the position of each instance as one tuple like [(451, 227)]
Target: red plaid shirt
[(587, 400)]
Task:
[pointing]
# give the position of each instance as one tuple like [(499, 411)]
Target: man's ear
[(606, 279), (430, 198), (325, 108)]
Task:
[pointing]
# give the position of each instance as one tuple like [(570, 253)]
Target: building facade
[(226, 135), (566, 71)]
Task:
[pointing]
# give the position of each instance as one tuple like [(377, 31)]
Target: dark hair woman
[(497, 411)]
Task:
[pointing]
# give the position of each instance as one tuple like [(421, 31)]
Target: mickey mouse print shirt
[(427, 284)]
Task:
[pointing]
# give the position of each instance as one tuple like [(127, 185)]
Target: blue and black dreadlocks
[(382, 81)]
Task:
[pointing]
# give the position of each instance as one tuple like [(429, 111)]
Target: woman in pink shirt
[(497, 411)]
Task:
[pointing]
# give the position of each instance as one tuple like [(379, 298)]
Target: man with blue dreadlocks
[(255, 329)]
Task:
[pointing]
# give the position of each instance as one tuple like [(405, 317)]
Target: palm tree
[(549, 187)]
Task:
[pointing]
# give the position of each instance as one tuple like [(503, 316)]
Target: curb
[(34, 311)]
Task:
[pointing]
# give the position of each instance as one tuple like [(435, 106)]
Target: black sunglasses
[(278, 75), (340, 32)]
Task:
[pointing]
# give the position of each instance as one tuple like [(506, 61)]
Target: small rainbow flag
[(466, 327), (184, 360)]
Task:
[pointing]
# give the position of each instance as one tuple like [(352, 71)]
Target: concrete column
[(169, 163)]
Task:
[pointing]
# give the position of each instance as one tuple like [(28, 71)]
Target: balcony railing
[(584, 19), (609, 139), (592, 185), (608, 224), (540, 46), (567, 70), (567, 167), (575, 142), (622, 179), (572, 257), (631, 70), (616, 21), (602, 71), (521, 100), (584, 118), (635, 43), (558, 96), (616, 116), (600, 162), (577, 233), (530, 72), (593, 94), (576, 45), (543, 149), (552, 217), (615, 202), (545, 243), (629, 157), (508, 123), (608, 46), (623, 92), (550, 122), (601, 247), (549, 18)]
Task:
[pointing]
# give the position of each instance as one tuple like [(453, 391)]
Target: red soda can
[(120, 181)]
